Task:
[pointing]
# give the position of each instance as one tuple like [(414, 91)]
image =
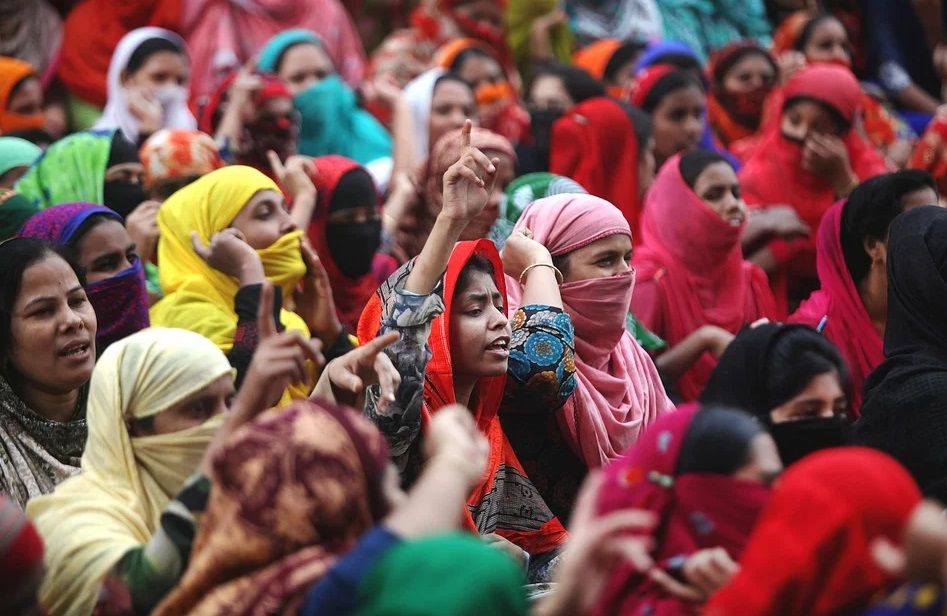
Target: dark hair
[(624, 54), (869, 211), (805, 35), (16, 256), (672, 82), (641, 122), (693, 164), (579, 84), (797, 356), (718, 441), (476, 264), (470, 52), (841, 124), (147, 49)]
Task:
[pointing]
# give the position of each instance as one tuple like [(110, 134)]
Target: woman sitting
[(96, 239), (825, 566), (851, 258), (47, 341), (221, 237), (147, 85), (705, 475), (807, 158), (691, 268), (618, 390), (457, 346), (790, 378), (161, 401)]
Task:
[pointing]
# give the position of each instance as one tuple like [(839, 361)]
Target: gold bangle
[(529, 267)]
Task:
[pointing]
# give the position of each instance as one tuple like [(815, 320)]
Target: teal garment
[(72, 170), (16, 152), (707, 25), (449, 575), (520, 193), (277, 46), (333, 123)]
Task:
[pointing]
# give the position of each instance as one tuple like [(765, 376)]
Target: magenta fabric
[(619, 391)]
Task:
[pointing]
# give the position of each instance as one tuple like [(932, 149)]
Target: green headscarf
[(16, 152), (450, 575), (521, 192), (14, 211), (332, 122), (70, 171)]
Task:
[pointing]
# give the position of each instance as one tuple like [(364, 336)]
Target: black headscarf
[(905, 409)]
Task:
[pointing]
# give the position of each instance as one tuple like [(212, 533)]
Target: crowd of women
[(462, 307)]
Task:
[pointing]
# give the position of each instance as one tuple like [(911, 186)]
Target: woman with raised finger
[(221, 237)]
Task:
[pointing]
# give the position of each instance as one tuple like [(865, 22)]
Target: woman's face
[(451, 104), (480, 226), (822, 397), (829, 43), (162, 68), (27, 98), (210, 400), (549, 93), (764, 465), (609, 256), (304, 65), (752, 73), (264, 219), (678, 122), (718, 187), (106, 250), (804, 118), (52, 329), (479, 329)]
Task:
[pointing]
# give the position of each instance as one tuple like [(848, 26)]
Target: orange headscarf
[(12, 73)]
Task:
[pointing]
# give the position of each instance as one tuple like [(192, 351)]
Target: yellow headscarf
[(90, 521)]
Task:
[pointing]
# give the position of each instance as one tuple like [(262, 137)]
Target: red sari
[(484, 403), (691, 272), (774, 173), (594, 143), (847, 324)]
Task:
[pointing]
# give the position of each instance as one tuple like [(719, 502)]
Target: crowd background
[(416, 307)]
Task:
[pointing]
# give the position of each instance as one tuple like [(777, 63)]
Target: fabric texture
[(419, 578), (619, 391), (177, 153), (12, 74), (902, 413), (694, 511), (120, 301), (691, 272), (175, 113), (32, 32), (16, 152), (838, 301), (71, 170), (595, 145), (293, 492), (37, 453), (824, 567), (90, 521)]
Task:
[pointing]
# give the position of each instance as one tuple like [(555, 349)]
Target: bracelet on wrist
[(535, 265)]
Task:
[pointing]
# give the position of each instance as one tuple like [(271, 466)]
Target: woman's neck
[(874, 300), (54, 406)]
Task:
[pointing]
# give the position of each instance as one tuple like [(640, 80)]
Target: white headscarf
[(173, 102), (420, 94)]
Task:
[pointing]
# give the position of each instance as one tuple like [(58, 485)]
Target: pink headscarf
[(847, 326), (619, 391), (694, 256)]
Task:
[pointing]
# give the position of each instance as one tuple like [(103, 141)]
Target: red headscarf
[(350, 294), (810, 554), (594, 143), (695, 511), (486, 398), (93, 29), (694, 260), (848, 326)]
